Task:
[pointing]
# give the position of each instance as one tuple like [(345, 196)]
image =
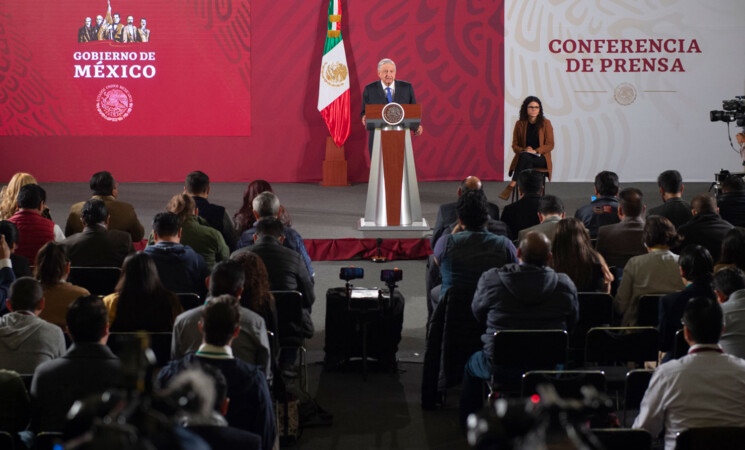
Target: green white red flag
[(333, 91)]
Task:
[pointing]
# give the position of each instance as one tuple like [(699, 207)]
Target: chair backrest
[(621, 345), (568, 383), (98, 280), (680, 348), (6, 441), (720, 438), (289, 317), (530, 349), (623, 438), (635, 386), (160, 343), (649, 310), (189, 300), (461, 336), (595, 310)]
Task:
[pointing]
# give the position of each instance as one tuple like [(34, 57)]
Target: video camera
[(733, 111)]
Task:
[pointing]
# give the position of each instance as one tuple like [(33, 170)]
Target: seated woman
[(140, 301), (656, 272), (256, 295), (244, 219), (573, 255), (196, 233), (51, 270), (733, 250)]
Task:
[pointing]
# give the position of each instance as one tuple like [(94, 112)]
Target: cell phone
[(351, 273), (391, 275), (593, 198)]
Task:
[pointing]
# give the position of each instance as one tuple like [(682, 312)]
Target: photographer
[(741, 140)]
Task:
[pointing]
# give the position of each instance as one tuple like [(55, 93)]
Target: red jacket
[(33, 232)]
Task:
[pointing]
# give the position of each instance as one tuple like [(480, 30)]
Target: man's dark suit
[(706, 229), (620, 241), (448, 214), (521, 214), (98, 247), (373, 94), (218, 219), (675, 209), (732, 208)]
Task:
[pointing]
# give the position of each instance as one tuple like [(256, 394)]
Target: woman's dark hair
[(696, 262), (733, 248), (144, 304), (524, 110), (50, 264), (256, 295), (659, 230), (244, 219), (572, 252)]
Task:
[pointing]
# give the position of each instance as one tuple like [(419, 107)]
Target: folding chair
[(290, 325), (635, 386), (706, 438), (595, 310), (6, 441), (623, 438), (618, 349), (649, 311), (568, 383), (189, 300), (159, 343), (98, 280)]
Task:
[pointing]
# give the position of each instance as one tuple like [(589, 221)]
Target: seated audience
[(198, 186), (447, 215), (251, 404), (656, 272), (6, 275), (140, 301), (256, 295), (706, 227), (251, 344), (9, 200), (33, 229), (524, 212), (180, 268), (245, 218), (618, 242), (550, 212), (123, 216), (703, 389), (25, 339), (733, 250), (88, 367), (572, 254), (732, 200), (267, 204), (729, 287), (51, 270), (15, 409), (673, 207), (21, 266), (529, 295), (97, 246), (196, 233), (697, 270), (604, 209)]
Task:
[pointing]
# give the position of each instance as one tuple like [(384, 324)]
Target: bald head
[(535, 249), (469, 184)]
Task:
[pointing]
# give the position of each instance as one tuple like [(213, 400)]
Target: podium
[(392, 192)]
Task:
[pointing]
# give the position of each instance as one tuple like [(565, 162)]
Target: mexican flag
[(333, 91)]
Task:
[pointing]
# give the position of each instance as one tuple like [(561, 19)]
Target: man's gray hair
[(385, 61), (266, 204)]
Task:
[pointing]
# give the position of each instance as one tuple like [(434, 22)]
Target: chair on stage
[(98, 280)]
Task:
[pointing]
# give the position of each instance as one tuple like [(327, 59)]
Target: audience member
[(729, 287), (15, 409), (703, 389), (198, 186), (524, 212), (732, 200), (21, 266), (9, 194), (25, 339), (245, 218), (251, 404), (706, 227), (733, 250), (196, 233), (251, 344), (603, 210), (33, 229), (88, 367), (673, 207), (697, 270), (51, 270), (97, 246), (529, 295), (256, 295), (6, 275), (655, 272), (447, 216), (180, 268), (122, 214), (572, 254), (550, 212), (140, 301), (618, 242)]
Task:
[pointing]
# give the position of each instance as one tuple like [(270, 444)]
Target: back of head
[(87, 318), (696, 262), (535, 249), (166, 224), (670, 181), (733, 247), (472, 209), (220, 317), (606, 183), (139, 279), (102, 183), (704, 204), (51, 264), (94, 211), (733, 183), (550, 205), (30, 196), (256, 285), (729, 280), (530, 181), (25, 294), (704, 320), (266, 204), (255, 188), (227, 278), (659, 231), (572, 251), (469, 184), (10, 231), (197, 183), (270, 226), (8, 203), (182, 205), (631, 201)]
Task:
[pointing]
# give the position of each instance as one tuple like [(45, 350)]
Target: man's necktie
[(388, 94)]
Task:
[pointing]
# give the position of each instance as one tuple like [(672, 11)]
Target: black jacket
[(675, 209), (373, 94), (706, 229), (602, 211), (217, 218), (521, 214), (447, 215), (98, 247), (732, 208)]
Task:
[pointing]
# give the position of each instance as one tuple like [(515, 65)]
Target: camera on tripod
[(733, 111)]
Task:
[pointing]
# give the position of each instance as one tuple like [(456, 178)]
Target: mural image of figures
[(110, 28)]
